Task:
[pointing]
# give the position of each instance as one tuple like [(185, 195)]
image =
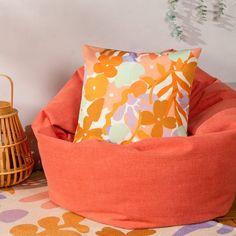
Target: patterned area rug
[(25, 210)]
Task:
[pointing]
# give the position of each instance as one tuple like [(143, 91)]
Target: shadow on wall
[(226, 22), (192, 34), (192, 27)]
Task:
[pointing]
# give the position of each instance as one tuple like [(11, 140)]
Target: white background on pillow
[(40, 43)]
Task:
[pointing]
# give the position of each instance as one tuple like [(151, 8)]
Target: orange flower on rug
[(108, 231), (51, 226)]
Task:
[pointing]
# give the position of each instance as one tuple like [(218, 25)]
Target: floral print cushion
[(131, 96)]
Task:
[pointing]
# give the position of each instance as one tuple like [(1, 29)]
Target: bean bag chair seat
[(155, 182)]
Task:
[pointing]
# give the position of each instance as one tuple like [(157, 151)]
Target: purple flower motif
[(130, 111), (119, 113), (130, 57), (187, 229), (145, 103), (2, 196), (130, 117), (131, 100), (184, 101), (12, 215), (166, 132), (225, 229), (108, 129)]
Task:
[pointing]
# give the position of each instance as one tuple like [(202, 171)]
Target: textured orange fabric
[(151, 183)]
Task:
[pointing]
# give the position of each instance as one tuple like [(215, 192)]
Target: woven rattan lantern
[(16, 162)]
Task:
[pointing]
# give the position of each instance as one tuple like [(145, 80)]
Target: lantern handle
[(11, 86)]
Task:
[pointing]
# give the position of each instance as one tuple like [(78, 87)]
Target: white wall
[(40, 40)]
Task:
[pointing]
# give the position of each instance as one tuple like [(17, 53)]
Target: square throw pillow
[(130, 96)]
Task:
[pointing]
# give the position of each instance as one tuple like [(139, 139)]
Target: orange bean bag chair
[(151, 183)]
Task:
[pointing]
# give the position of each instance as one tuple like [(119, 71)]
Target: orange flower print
[(158, 118), (107, 65), (138, 88), (94, 112), (95, 87), (85, 133)]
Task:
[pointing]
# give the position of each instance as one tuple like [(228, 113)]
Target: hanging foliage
[(201, 9), (171, 18), (220, 8)]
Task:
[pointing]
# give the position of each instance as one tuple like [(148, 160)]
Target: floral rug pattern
[(25, 210)]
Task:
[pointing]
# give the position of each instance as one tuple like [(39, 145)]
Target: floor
[(230, 218)]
